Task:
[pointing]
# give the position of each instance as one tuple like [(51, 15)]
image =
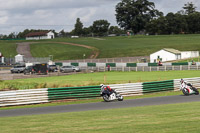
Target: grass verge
[(89, 79), (174, 118)]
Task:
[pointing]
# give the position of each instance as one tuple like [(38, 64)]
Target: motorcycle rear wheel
[(120, 98), (196, 91)]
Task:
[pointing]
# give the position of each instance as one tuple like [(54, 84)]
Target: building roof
[(171, 50), (35, 34)]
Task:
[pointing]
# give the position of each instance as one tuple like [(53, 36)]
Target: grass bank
[(174, 118), (88, 79), (109, 46)]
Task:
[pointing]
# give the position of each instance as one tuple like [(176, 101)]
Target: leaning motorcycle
[(189, 90), (111, 96)]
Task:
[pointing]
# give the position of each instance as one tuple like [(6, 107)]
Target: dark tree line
[(141, 15)]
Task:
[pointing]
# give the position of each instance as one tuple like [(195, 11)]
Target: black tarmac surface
[(100, 106)]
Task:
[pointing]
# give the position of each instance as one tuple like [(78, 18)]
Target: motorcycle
[(111, 96), (188, 89)]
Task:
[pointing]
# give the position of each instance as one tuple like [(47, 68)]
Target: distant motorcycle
[(110, 96), (188, 89)]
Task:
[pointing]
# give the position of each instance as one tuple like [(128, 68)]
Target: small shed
[(40, 35), (19, 58), (166, 54)]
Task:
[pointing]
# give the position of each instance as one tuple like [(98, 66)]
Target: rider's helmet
[(101, 85)]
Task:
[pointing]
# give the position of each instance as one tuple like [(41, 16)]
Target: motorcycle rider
[(105, 87), (185, 84)]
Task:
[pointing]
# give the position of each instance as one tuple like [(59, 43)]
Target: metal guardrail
[(33, 96), (22, 97), (73, 92), (141, 68), (130, 89)]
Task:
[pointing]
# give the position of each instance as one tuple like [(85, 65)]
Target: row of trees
[(141, 15), (137, 16), (98, 28)]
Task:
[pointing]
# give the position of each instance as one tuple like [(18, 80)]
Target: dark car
[(29, 70), (36, 69), (52, 68)]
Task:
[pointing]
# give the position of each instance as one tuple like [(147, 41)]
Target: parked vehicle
[(109, 96), (36, 69), (188, 89), (29, 70), (52, 68), (69, 69), (17, 69)]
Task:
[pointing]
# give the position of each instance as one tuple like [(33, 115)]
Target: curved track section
[(100, 106)]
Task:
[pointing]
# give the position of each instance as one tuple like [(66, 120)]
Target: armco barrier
[(33, 96), (159, 86), (130, 89), (73, 92), (22, 97)]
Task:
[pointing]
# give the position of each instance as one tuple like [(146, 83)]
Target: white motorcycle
[(188, 89)]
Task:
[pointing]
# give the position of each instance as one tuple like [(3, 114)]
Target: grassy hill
[(111, 46)]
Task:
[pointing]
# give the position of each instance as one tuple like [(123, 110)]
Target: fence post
[(188, 67), (165, 68), (180, 67), (150, 69), (129, 69), (136, 69)]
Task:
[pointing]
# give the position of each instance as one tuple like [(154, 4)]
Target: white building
[(170, 54), (40, 35), (189, 54), (19, 58)]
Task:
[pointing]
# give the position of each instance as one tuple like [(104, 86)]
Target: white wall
[(50, 35), (166, 56), (189, 54)]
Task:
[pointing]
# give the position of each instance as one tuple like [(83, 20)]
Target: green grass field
[(96, 79), (60, 51), (176, 118), (111, 46), (8, 48)]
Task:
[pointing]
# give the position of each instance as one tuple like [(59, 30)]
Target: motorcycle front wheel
[(185, 92), (106, 98)]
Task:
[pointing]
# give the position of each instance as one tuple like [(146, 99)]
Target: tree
[(193, 21), (87, 31), (189, 8), (157, 26), (135, 14), (78, 27), (116, 30), (100, 27)]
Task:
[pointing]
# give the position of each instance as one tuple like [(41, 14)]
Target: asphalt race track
[(100, 106)]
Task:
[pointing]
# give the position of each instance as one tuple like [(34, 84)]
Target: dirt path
[(24, 49)]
